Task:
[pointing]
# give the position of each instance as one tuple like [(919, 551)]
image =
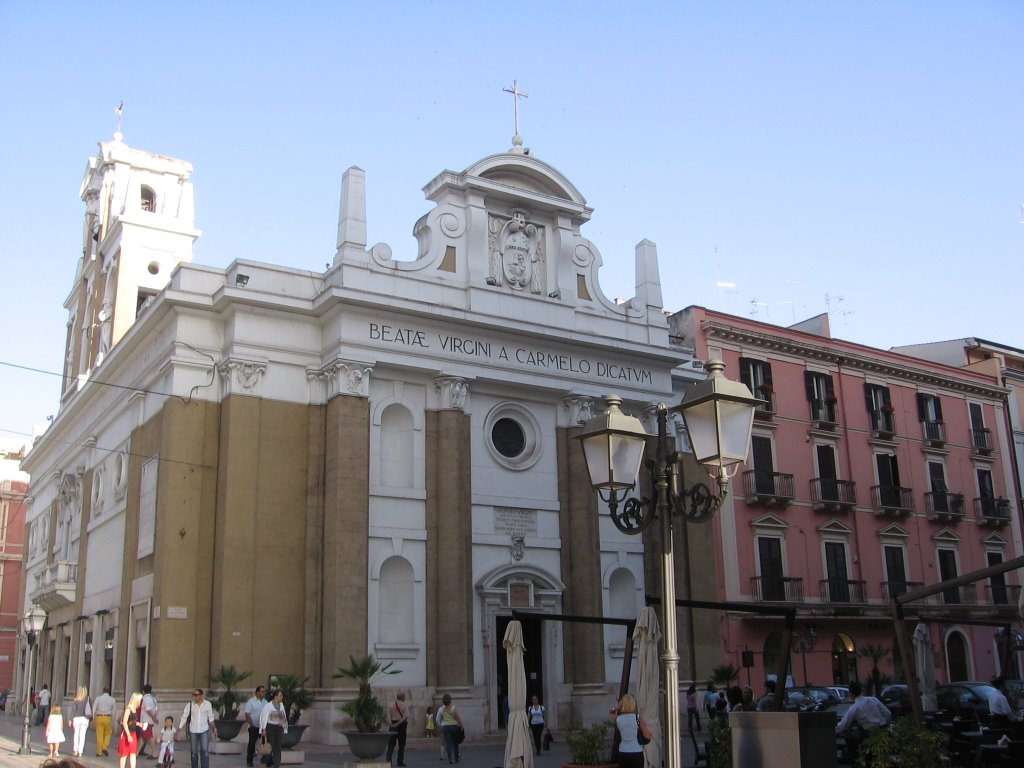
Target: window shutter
[(886, 400), (922, 408), (767, 367), (830, 392), (868, 389), (809, 384), (745, 372), (938, 408)]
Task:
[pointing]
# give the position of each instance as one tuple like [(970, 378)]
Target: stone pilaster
[(580, 556), (449, 539)]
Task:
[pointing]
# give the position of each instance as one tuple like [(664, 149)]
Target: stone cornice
[(850, 359)]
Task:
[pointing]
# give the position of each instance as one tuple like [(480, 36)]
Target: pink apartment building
[(871, 473)]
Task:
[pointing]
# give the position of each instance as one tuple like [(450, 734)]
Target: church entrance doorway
[(533, 660)]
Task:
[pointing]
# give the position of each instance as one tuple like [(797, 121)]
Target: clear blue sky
[(868, 151)]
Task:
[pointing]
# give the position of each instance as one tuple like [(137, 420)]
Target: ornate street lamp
[(31, 625), (719, 416)]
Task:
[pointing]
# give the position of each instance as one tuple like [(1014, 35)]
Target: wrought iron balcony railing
[(991, 510), (843, 591), (981, 439), (1003, 594), (777, 589), (935, 433), (766, 409), (943, 505), (891, 589), (833, 495), (892, 500), (823, 413), (964, 595), (882, 423), (772, 488)]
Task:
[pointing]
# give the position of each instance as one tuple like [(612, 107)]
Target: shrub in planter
[(589, 746), (902, 744)]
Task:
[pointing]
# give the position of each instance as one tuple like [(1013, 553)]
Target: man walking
[(398, 718), (103, 711), (147, 723), (197, 718), (253, 708), (44, 704)]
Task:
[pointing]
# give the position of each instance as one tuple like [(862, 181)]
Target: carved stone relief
[(517, 252)]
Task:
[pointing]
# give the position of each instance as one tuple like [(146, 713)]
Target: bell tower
[(139, 225)]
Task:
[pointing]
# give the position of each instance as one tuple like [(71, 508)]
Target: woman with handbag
[(78, 719), (536, 715), (451, 724), (633, 732), (273, 725)]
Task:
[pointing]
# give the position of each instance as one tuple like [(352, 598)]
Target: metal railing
[(934, 431), (892, 498), (992, 508), (823, 410), (882, 421), (1003, 594), (962, 595), (768, 485), (843, 591), (892, 589), (981, 439), (944, 503), (829, 491), (767, 408), (777, 589)]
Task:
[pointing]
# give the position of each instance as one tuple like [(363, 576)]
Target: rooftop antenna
[(755, 309), (720, 284), (119, 110), (517, 140)]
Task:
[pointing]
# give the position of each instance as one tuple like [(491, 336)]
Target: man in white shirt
[(867, 712), (253, 708), (999, 706), (44, 704), (103, 714), (148, 719), (198, 715)]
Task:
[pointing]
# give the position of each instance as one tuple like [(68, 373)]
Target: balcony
[(843, 591), (823, 414), (883, 425), (831, 495), (965, 595), (934, 433), (777, 589), (892, 501), (765, 411), (992, 511), (774, 489), (55, 585), (893, 589), (1003, 594), (981, 441), (944, 506)]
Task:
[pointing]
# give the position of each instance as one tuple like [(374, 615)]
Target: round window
[(508, 437), (513, 436)]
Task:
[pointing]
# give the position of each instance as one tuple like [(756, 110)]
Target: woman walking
[(536, 713), (692, 713), (451, 722), (128, 744), (273, 725), (78, 719)]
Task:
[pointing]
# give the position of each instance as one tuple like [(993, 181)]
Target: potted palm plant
[(367, 741), (228, 700)]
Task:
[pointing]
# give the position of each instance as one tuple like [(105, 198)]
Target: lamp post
[(719, 415), (31, 624)]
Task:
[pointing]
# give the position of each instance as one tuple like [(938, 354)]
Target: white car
[(841, 692)]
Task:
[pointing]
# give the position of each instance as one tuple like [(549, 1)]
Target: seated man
[(767, 702), (999, 708), (867, 712)]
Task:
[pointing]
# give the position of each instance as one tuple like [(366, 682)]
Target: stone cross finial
[(516, 96)]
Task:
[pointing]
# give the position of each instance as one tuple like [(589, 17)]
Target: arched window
[(844, 659), (147, 199), (396, 447), (958, 666), (396, 614), (622, 594)]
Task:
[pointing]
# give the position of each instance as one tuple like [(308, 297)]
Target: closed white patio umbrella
[(924, 665), (647, 635), (518, 743)]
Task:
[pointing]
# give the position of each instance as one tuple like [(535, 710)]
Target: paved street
[(420, 753)]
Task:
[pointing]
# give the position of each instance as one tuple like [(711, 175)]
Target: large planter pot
[(227, 730), (367, 746), (290, 739)]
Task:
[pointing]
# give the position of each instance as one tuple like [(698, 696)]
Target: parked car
[(965, 699), (841, 692), (810, 699), (896, 698)]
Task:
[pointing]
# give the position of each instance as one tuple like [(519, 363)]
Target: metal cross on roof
[(516, 96)]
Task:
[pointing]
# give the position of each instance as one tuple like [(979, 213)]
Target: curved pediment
[(526, 173)]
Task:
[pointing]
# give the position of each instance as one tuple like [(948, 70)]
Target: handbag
[(460, 735), (265, 748), (640, 733), (548, 738)]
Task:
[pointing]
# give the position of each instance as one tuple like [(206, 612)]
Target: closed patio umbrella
[(518, 743), (924, 665), (647, 635)]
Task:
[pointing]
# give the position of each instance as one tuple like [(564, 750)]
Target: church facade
[(279, 469)]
